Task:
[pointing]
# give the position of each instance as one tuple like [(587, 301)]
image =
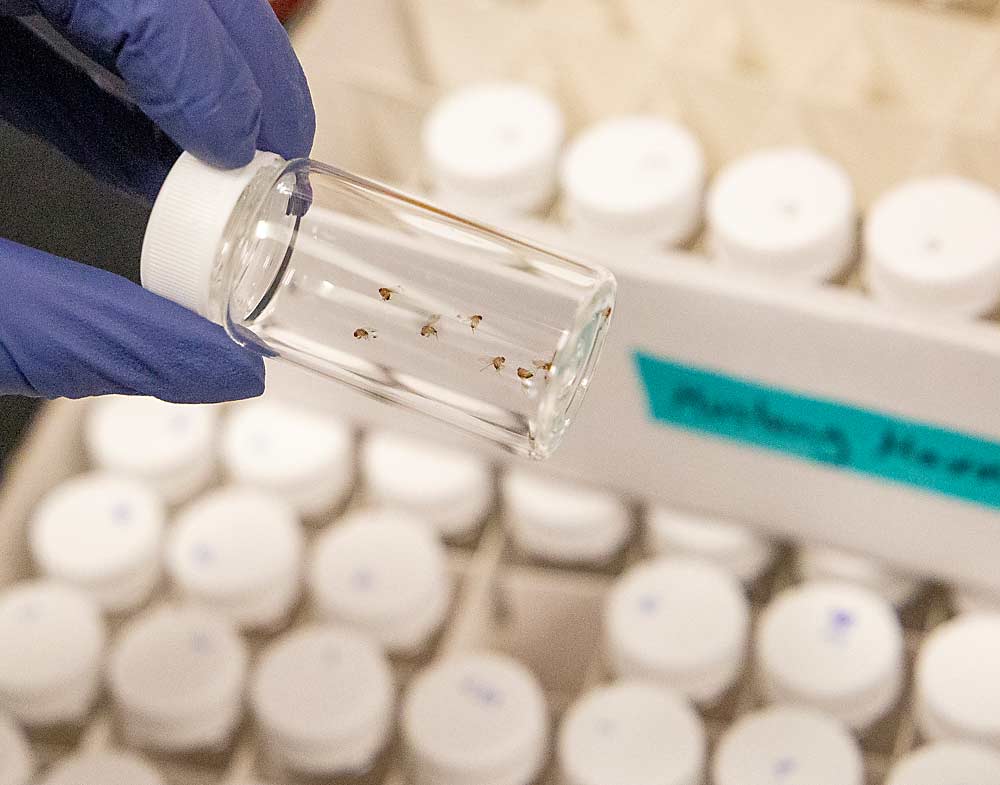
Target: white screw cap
[(632, 733), (450, 489), (947, 763), (833, 646), (177, 676), (303, 456), (966, 599), (788, 744), (786, 212), (562, 521), (680, 622), (475, 719), (101, 533), (103, 768), (494, 148), (958, 680), (17, 762), (385, 572), (170, 446), (816, 563), (238, 551), (934, 245), (634, 180), (732, 546), (51, 644), (324, 698)]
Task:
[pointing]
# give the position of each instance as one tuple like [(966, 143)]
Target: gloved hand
[(220, 78)]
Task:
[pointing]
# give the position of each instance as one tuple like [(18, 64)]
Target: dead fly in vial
[(473, 321), (363, 335), (524, 373), (386, 294), (606, 313), (545, 365), (429, 329), (496, 363)]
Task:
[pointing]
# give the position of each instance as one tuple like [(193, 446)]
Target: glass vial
[(372, 287)]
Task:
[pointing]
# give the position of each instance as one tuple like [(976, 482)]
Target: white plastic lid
[(103, 768), (177, 665), (475, 719), (171, 446), (934, 245), (450, 489), (680, 622), (51, 637), (232, 546), (815, 562), (958, 680), (966, 599), (98, 532), (324, 696), (185, 229), (304, 456), (782, 745), (732, 546), (787, 212), (563, 521), (383, 571), (16, 761), (632, 733), (834, 646), (495, 146), (637, 178), (947, 763)]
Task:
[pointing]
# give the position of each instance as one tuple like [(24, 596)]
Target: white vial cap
[(304, 456), (562, 521), (450, 489), (102, 533), (934, 245), (680, 622), (238, 551), (787, 212), (947, 763), (966, 599), (185, 231), (16, 761), (51, 643), (788, 744), (170, 446), (732, 546), (816, 562), (494, 148), (103, 768), (475, 719), (385, 572), (958, 680), (632, 733), (324, 697), (834, 646), (634, 180), (177, 676)]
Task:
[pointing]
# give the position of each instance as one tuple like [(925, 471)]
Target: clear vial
[(17, 763), (385, 572), (303, 456), (817, 562), (452, 490), (958, 680), (52, 642), (324, 700), (632, 733), (947, 763), (835, 647), (102, 533), (371, 287), (238, 551), (103, 768)]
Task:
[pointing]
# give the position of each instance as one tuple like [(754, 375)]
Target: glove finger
[(181, 65), (68, 330), (288, 121)]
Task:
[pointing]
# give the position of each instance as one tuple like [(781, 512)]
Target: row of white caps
[(636, 184)]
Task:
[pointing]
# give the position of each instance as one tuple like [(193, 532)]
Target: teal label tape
[(823, 431)]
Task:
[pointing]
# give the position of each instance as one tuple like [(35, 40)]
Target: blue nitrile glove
[(220, 78)]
